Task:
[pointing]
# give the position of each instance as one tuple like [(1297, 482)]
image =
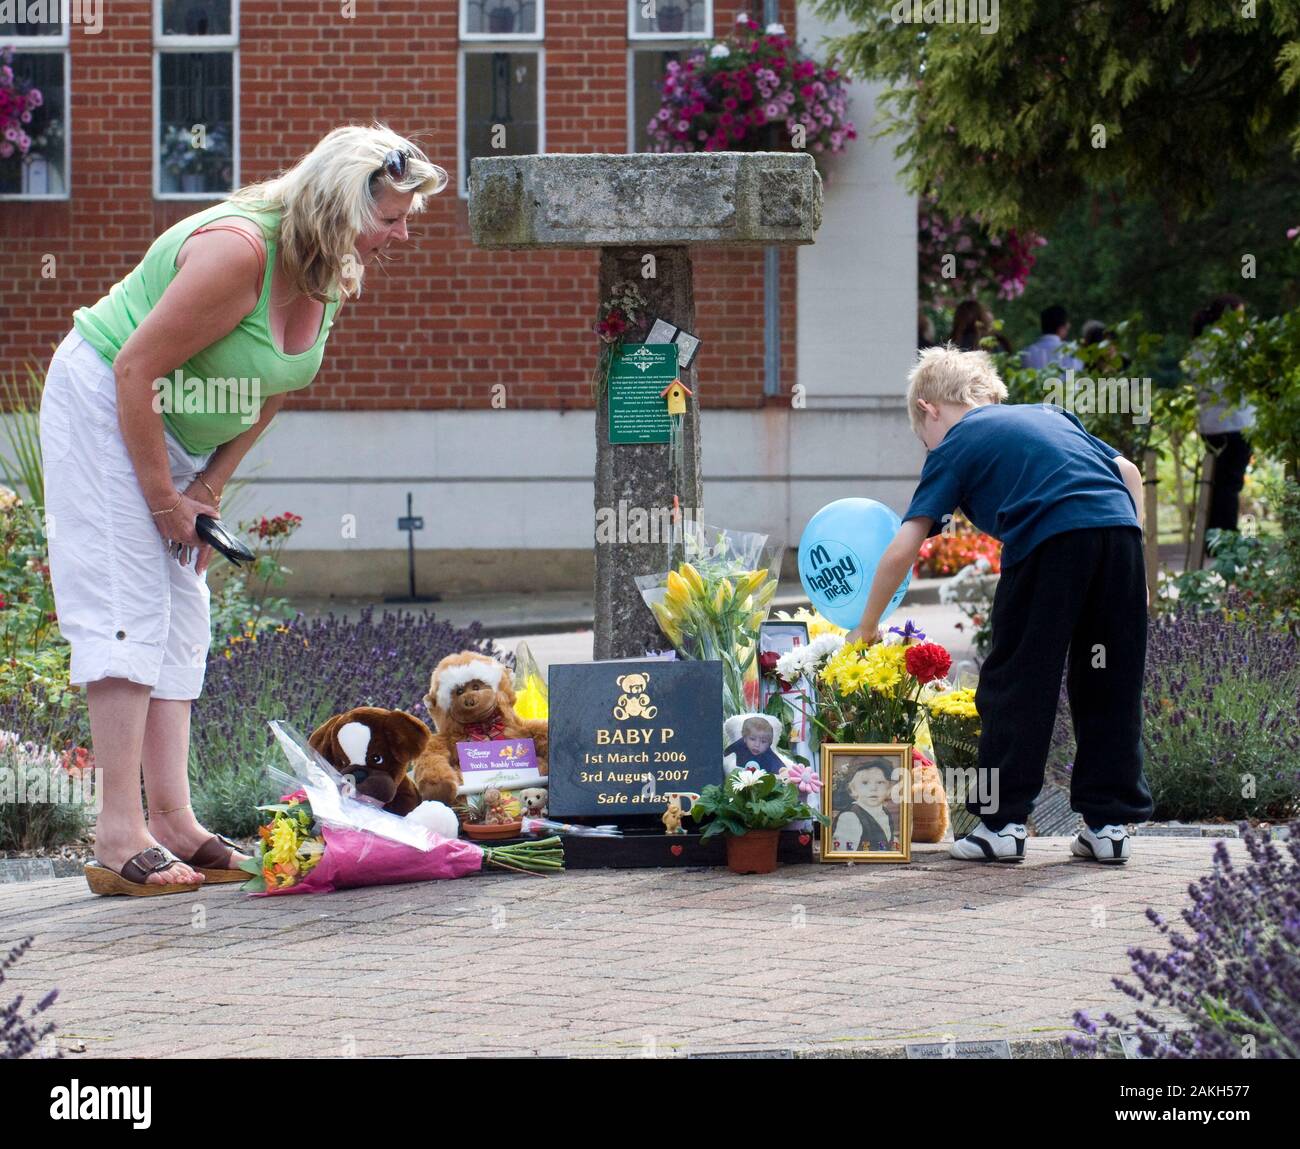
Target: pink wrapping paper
[(360, 858)]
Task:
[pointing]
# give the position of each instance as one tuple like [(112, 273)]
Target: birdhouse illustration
[(676, 393)]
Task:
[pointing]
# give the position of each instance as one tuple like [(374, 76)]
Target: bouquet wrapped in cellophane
[(321, 837), (712, 603)]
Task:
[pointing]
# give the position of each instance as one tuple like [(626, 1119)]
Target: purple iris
[(909, 630)]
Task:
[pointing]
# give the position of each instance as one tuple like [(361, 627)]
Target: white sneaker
[(985, 845), (1109, 844)]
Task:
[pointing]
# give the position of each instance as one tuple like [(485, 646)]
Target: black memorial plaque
[(624, 735)]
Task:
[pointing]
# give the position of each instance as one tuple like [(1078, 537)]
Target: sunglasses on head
[(394, 164)]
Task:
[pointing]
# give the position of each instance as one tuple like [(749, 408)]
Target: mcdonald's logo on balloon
[(838, 555)]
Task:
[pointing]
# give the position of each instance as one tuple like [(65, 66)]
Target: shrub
[(1221, 721), (21, 1034), (1236, 982), (1221, 705), (43, 802), (303, 673), (1249, 576)]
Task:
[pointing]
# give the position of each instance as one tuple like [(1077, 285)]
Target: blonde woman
[(150, 403)]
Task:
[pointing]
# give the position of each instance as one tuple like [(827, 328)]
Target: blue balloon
[(838, 555)]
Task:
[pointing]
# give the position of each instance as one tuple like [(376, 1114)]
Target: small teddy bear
[(672, 817), (534, 802)]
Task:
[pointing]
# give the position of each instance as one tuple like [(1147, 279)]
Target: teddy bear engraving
[(634, 702)]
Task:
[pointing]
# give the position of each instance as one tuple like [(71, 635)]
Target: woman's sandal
[(133, 877), (213, 861)]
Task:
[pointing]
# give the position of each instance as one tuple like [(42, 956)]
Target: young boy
[(1066, 507)]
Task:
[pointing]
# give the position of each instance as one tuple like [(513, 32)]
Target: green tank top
[(217, 395)]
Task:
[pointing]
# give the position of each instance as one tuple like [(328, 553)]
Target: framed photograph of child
[(867, 796)]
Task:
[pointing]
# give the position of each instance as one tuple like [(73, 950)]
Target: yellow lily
[(693, 577), (750, 582), (667, 622)]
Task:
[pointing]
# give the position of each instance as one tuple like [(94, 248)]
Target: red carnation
[(927, 661), (767, 663)]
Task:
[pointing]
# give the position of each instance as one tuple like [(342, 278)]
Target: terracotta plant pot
[(754, 852), (929, 805), (478, 832)]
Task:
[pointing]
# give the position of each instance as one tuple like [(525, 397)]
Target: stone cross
[(633, 207)]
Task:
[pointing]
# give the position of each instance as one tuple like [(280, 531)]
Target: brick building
[(403, 402)]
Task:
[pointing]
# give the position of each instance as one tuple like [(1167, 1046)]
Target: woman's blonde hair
[(327, 199), (948, 375)]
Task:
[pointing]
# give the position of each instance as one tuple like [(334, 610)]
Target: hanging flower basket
[(754, 91)]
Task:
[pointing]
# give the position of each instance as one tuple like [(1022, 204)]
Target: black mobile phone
[(220, 537)]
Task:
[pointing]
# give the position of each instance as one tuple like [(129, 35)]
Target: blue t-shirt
[(1022, 474)]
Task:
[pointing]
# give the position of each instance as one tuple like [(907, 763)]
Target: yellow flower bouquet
[(711, 604), (955, 727), (874, 693)]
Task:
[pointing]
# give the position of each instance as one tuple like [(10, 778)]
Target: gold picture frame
[(840, 765)]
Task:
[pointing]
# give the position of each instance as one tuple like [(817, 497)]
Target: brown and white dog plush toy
[(375, 747), (472, 700)]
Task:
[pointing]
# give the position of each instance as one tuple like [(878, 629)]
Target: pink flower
[(804, 777)]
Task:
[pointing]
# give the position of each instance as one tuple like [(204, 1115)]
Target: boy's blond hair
[(950, 375)]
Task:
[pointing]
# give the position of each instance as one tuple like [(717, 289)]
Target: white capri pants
[(127, 608)]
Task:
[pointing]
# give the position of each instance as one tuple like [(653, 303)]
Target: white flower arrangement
[(804, 661)]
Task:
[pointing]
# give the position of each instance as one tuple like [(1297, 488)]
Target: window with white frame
[(33, 103), (196, 98), (656, 30), (502, 81), (669, 19)]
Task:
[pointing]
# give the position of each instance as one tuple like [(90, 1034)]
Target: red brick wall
[(439, 325)]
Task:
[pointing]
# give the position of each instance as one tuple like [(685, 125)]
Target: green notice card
[(637, 411)]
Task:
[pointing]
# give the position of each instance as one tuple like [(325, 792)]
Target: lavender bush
[(1236, 982), (1221, 720), (303, 673), (20, 1033)]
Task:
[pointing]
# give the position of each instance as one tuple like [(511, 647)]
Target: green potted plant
[(750, 807)]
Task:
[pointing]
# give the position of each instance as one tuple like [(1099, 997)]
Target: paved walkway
[(816, 959)]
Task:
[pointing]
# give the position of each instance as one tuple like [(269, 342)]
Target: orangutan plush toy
[(375, 747), (471, 700)]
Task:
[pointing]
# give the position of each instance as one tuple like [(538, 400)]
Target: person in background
[(1093, 332), (924, 331), (972, 322), (1222, 427), (1048, 349)]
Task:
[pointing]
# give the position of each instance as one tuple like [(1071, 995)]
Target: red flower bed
[(945, 554)]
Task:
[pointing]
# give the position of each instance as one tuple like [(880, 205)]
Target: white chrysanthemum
[(823, 645), (718, 51), (792, 665), (744, 779)]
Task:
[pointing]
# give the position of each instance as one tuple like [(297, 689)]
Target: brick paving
[(815, 959)]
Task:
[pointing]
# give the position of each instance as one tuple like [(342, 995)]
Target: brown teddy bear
[(374, 747), (472, 700)]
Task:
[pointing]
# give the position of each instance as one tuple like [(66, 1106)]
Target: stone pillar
[(639, 474), (629, 206)]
